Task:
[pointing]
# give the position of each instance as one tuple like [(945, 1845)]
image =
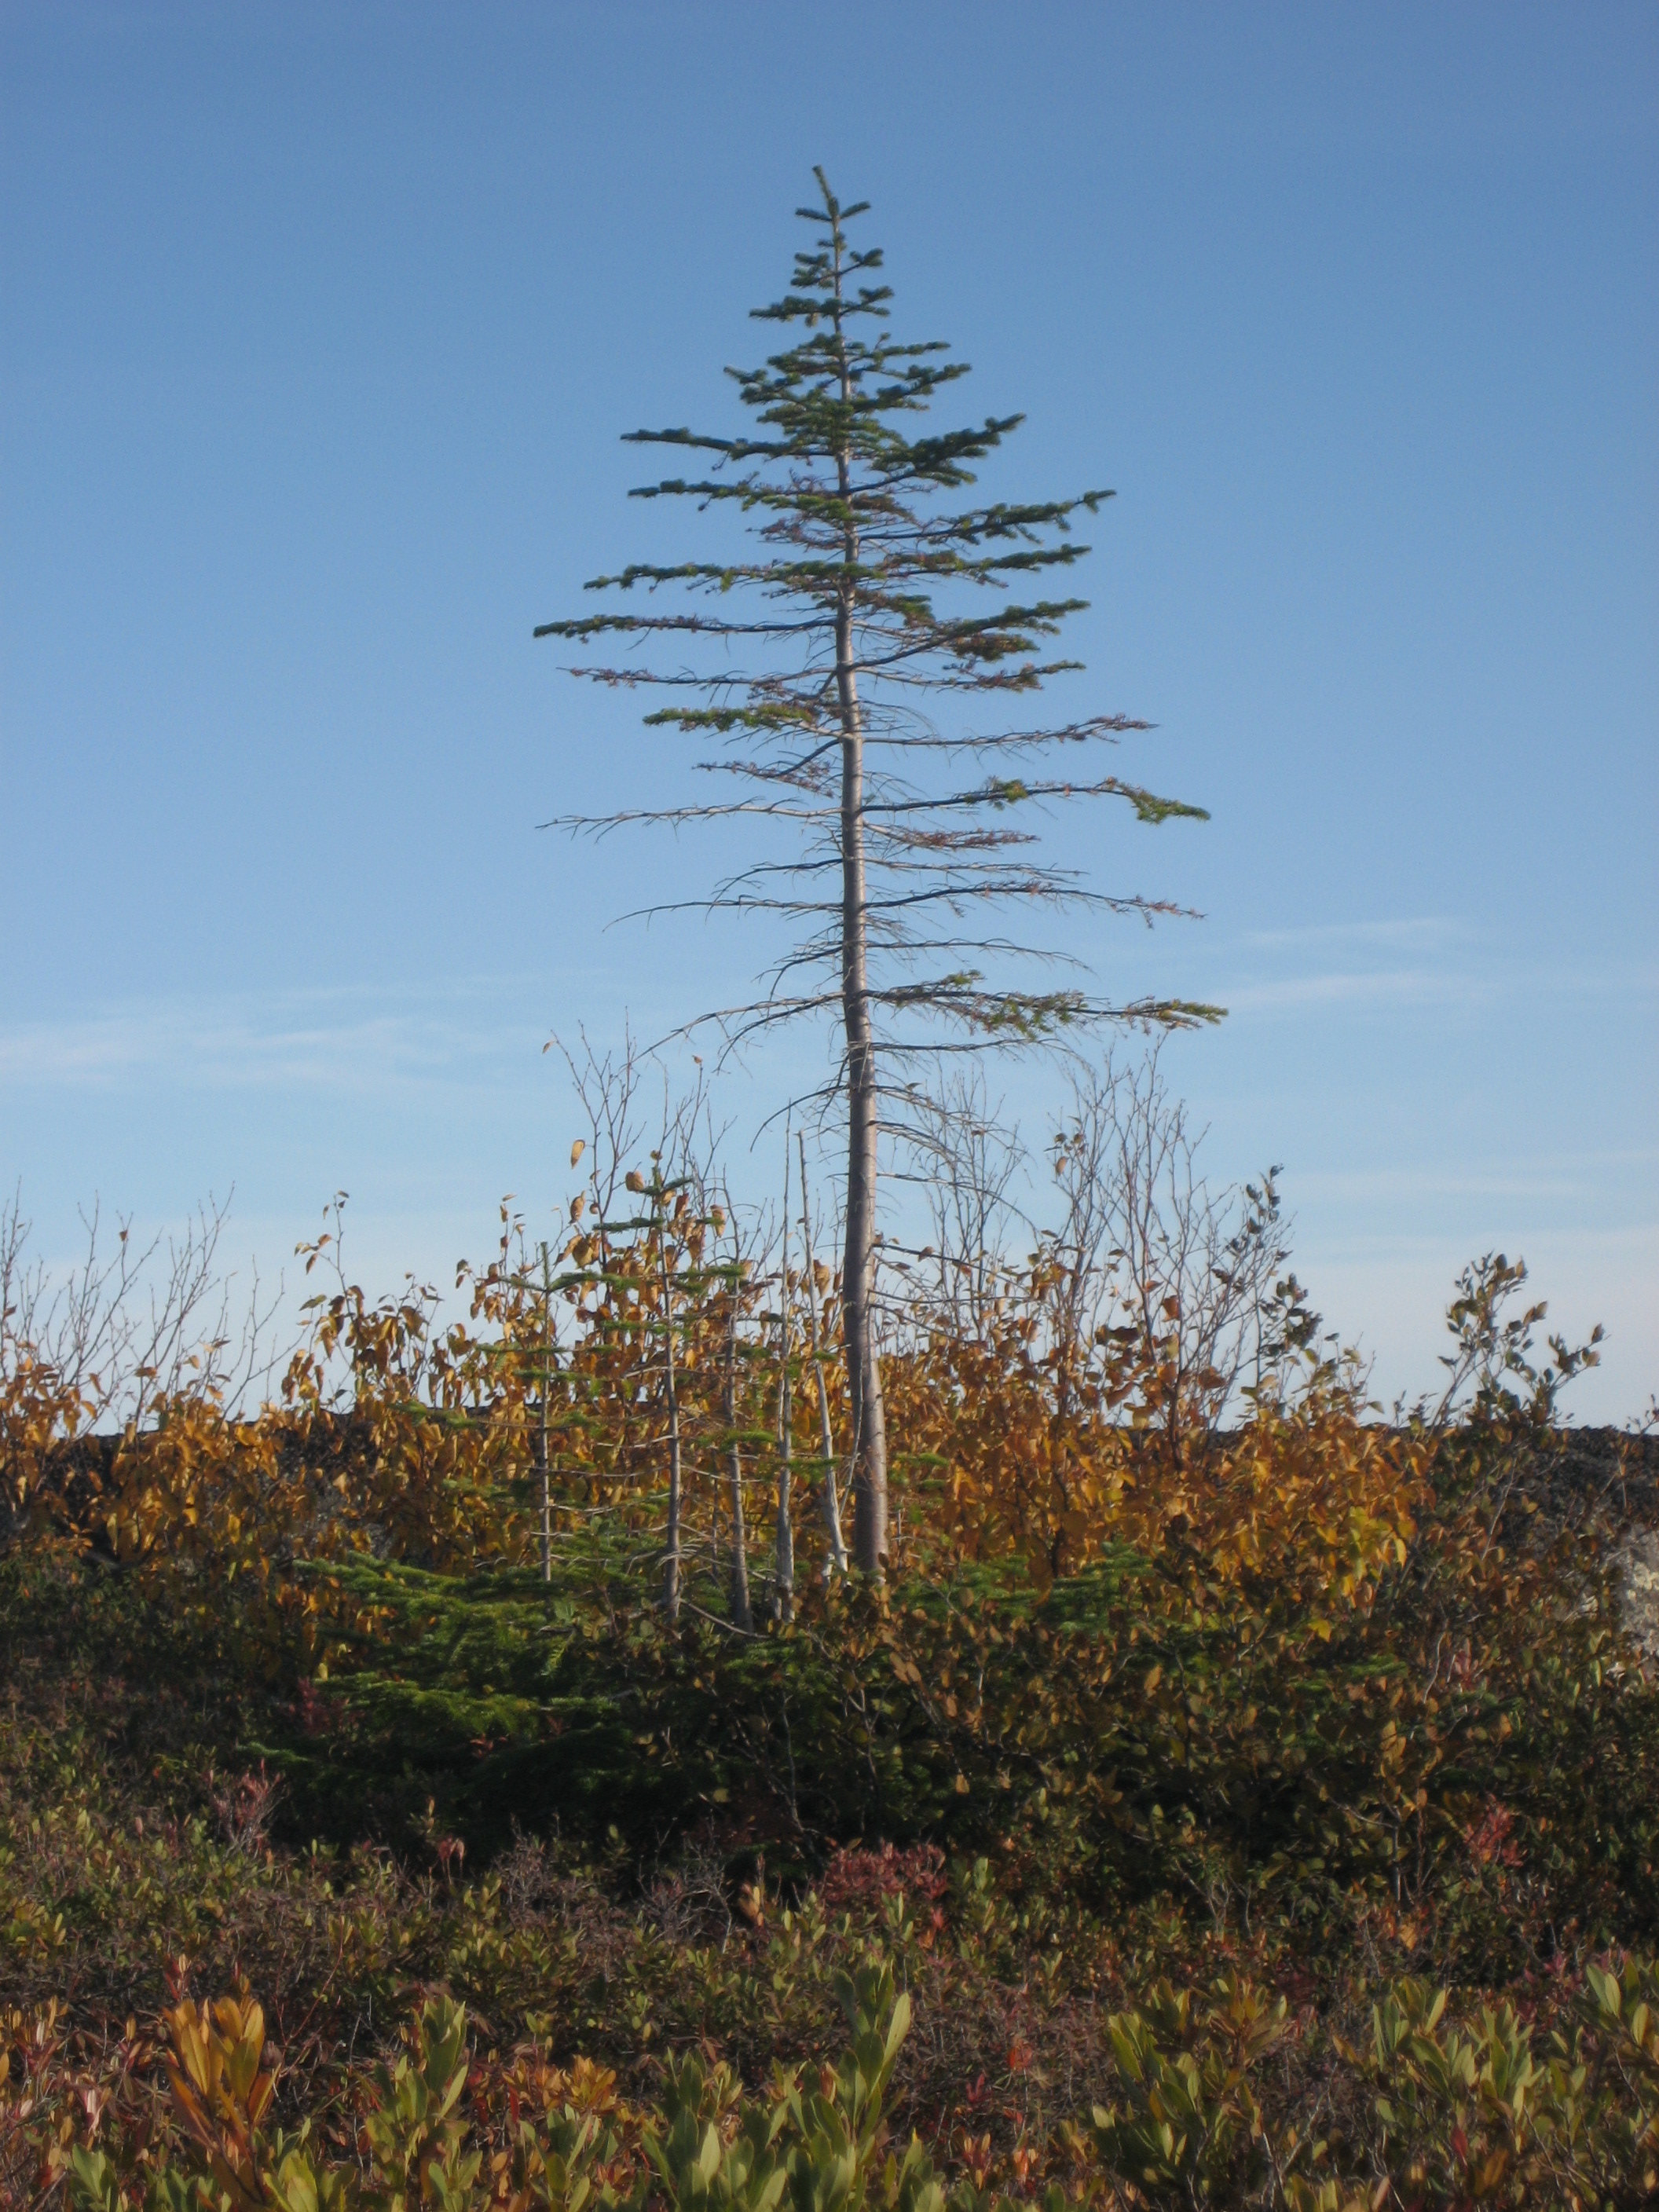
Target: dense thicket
[(1172, 1741)]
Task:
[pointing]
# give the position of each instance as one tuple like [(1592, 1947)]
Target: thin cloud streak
[(1424, 930), (1427, 986), (1394, 987), (279, 1042), (1580, 1178)]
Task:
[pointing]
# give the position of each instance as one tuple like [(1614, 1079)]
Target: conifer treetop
[(868, 562)]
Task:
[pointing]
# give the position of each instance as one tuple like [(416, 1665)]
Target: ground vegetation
[(1234, 1792)]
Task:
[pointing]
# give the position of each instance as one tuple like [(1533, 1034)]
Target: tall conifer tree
[(855, 612)]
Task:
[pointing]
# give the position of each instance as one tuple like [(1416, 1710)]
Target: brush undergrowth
[(1258, 1817)]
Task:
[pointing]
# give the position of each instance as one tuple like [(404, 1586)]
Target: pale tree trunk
[(837, 1560), (784, 1560), (858, 1270), (858, 1267), (541, 1427), (671, 1563), (742, 1613), (783, 1565)]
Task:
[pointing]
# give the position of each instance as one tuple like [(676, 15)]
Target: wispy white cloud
[(1420, 931), (1418, 987), (1459, 983), (1580, 1178), (337, 1040)]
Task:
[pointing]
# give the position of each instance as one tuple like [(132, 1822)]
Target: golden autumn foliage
[(1237, 1702), (395, 1438)]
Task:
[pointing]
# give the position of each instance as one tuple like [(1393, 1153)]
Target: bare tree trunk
[(858, 1270), (671, 1563), (742, 1613), (827, 1444), (541, 1432), (784, 1547)]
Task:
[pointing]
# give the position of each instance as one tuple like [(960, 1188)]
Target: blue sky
[(320, 328)]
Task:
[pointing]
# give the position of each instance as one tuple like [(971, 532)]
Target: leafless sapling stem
[(784, 1549), (837, 1560)]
